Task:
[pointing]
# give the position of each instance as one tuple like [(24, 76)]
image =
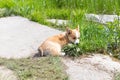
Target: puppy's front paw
[(62, 54)]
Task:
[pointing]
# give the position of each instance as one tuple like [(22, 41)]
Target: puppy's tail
[(39, 53), (40, 50)]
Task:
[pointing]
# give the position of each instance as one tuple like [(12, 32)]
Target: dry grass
[(43, 68)]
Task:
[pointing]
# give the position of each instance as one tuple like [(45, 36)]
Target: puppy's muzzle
[(76, 41)]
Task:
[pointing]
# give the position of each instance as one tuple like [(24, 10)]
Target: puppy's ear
[(68, 30), (78, 28)]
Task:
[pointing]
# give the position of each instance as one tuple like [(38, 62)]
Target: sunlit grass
[(44, 68)]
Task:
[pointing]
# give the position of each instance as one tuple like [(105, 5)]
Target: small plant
[(117, 76), (5, 12), (72, 50), (114, 39)]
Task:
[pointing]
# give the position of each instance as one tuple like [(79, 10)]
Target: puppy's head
[(73, 35)]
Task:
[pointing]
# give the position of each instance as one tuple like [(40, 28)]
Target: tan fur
[(54, 44)]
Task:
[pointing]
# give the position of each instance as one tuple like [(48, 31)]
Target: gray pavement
[(20, 38)]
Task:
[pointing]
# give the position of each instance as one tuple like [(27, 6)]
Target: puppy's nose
[(77, 43)]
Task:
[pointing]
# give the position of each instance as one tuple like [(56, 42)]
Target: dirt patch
[(95, 67)]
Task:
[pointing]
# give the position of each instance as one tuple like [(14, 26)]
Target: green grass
[(97, 38), (117, 76), (93, 38), (59, 8), (44, 68)]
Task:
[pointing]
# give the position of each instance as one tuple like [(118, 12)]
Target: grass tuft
[(117, 76)]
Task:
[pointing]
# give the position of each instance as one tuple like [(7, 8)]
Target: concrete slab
[(93, 67), (7, 74), (58, 22), (102, 18), (19, 37)]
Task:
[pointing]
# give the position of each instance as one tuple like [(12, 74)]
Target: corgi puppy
[(53, 45)]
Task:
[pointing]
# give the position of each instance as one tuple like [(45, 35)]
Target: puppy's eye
[(69, 33), (74, 37)]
